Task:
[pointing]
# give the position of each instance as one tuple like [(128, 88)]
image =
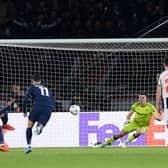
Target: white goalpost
[(101, 75)]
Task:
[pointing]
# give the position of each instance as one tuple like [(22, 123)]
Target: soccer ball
[(74, 109)]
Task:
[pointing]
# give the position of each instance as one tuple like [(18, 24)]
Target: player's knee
[(121, 134), (140, 132)]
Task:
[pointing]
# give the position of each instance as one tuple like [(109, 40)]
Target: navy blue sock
[(29, 135), (1, 136), (5, 119)]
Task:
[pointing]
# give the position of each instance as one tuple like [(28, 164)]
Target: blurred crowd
[(77, 18)]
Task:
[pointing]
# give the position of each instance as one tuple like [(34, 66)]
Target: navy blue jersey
[(41, 97)]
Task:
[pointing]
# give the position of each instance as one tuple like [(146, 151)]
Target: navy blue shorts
[(40, 115)]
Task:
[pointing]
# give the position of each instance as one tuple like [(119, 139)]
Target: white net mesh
[(99, 76)]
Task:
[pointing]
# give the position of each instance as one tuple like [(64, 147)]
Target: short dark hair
[(165, 61), (143, 93), (36, 77)]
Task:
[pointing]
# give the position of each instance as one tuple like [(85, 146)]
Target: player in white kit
[(162, 91)]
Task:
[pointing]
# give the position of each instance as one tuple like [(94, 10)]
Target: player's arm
[(6, 107), (25, 99), (158, 96), (11, 101), (128, 117), (157, 116)]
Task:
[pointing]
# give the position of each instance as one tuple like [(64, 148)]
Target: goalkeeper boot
[(100, 145), (8, 127), (28, 150), (124, 144)]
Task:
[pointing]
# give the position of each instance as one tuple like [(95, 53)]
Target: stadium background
[(79, 19), (60, 19), (84, 19)]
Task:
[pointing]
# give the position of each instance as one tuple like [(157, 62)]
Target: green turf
[(131, 157)]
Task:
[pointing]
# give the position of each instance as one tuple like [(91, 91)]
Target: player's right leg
[(126, 130), (5, 121), (28, 149), (29, 136), (110, 140), (139, 131), (3, 146)]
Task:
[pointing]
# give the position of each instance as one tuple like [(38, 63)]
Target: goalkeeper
[(142, 111)]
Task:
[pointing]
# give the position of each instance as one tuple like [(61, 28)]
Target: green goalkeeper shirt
[(143, 113)]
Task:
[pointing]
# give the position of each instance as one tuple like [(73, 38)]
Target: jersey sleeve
[(133, 108), (26, 97), (153, 108), (159, 81)]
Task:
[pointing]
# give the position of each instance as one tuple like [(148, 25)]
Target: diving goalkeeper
[(143, 112)]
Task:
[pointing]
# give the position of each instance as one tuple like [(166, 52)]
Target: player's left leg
[(126, 130), (5, 122), (139, 131), (29, 136), (42, 121)]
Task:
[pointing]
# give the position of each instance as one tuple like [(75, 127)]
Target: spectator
[(90, 18)]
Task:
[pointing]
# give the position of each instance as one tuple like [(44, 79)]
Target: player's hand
[(2, 115), (25, 114), (158, 119), (159, 110), (10, 102), (157, 116)]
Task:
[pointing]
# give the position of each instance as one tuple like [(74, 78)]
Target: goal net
[(98, 74)]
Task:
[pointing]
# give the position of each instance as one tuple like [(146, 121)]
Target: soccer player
[(42, 107), (142, 111), (4, 107), (162, 91)]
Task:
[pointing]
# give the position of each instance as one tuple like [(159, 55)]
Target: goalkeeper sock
[(110, 140), (131, 138), (1, 136), (28, 135)]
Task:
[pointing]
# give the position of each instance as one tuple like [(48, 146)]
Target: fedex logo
[(107, 130)]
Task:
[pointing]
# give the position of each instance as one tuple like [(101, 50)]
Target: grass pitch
[(114, 157)]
